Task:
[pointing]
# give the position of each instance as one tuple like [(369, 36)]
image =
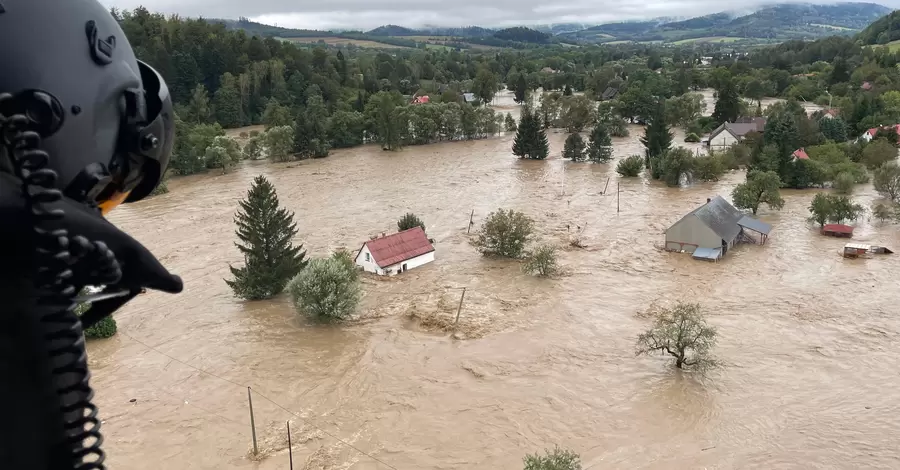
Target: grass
[(831, 26), (719, 39), (332, 41)]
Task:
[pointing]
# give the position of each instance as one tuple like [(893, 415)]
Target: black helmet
[(105, 117)]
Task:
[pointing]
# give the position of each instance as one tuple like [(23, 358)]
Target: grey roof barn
[(714, 225)]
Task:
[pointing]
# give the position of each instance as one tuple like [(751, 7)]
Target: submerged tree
[(599, 145), (631, 166), (657, 140), (328, 289), (682, 333), (531, 141), (266, 231), (505, 233), (510, 123), (574, 148), (542, 261), (408, 221), (557, 459), (760, 187)]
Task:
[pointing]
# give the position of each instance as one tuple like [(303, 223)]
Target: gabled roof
[(469, 97), (800, 154), (740, 129), (399, 247), (755, 225), (609, 93), (720, 216)]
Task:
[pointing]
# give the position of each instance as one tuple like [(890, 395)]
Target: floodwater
[(808, 338)]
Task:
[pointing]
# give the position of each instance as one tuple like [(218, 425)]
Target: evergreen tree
[(198, 111), (265, 230), (657, 140), (834, 129), (510, 123), (600, 146), (574, 148), (227, 103), (728, 104), (531, 141), (521, 89)]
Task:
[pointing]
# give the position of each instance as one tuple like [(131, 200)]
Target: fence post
[(252, 422), (459, 309), (471, 216), (290, 447)]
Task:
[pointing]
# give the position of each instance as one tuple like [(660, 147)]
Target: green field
[(830, 26), (893, 46), (332, 41), (719, 39)]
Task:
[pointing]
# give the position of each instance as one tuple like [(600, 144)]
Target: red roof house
[(800, 154), (421, 99), (837, 230), (396, 253)]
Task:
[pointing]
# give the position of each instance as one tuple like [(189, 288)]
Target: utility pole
[(618, 191), (252, 422), (459, 309), (290, 447)]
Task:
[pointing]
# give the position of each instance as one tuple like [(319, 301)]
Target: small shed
[(396, 253), (707, 254), (837, 230), (716, 225), (855, 250)]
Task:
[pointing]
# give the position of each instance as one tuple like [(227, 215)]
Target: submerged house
[(731, 133), (396, 253), (710, 230)]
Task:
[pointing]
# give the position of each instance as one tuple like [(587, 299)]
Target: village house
[(709, 231), (830, 113), (799, 154), (870, 134), (396, 253), (731, 133), (609, 93)]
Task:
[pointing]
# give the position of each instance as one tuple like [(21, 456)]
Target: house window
[(367, 257)]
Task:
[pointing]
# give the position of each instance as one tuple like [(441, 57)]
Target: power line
[(293, 413)]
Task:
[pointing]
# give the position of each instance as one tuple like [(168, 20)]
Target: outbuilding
[(715, 226), (837, 230), (396, 253)]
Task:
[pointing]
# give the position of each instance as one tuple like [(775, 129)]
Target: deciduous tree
[(681, 332), (760, 187)]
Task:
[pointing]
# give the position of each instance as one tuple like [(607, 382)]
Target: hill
[(394, 30), (522, 34), (882, 31)]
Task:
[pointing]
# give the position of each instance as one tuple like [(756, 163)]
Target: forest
[(339, 97)]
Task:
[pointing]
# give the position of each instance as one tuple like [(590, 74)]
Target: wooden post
[(252, 422), (618, 191), (290, 448), (607, 185), (472, 215), (459, 309)]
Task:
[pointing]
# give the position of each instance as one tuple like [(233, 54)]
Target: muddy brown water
[(809, 338)]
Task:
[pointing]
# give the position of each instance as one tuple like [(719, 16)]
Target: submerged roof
[(720, 216), (399, 247), (707, 253), (837, 228), (755, 225)]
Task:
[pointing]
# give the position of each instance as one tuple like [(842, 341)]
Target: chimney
[(708, 200), (383, 234)]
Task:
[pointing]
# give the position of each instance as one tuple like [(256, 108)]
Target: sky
[(367, 14)]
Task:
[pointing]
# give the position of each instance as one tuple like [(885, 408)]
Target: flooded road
[(809, 339)]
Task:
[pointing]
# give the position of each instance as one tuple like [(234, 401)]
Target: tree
[(226, 103), (728, 104), (631, 166), (385, 111), (521, 89), (104, 328), (683, 110), (843, 183), (676, 164), (198, 111), (681, 332), (657, 140), (265, 231), (328, 289), (755, 91), (276, 115), (709, 167), (253, 149), (882, 211), (280, 142), (653, 60), (505, 233), (574, 148), (877, 153), (557, 459), (599, 148), (510, 123), (833, 208), (820, 208), (542, 261), (887, 181), (531, 141), (408, 221), (576, 113), (760, 187), (485, 85), (833, 129)]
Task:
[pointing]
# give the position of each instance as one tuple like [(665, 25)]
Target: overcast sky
[(367, 14)]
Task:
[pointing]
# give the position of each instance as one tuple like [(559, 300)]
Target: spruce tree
[(265, 230), (657, 140), (728, 103), (531, 141), (521, 89), (574, 148), (600, 145)]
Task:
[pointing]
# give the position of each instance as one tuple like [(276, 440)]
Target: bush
[(244, 135), (328, 289), (105, 328), (692, 138), (843, 183), (542, 261), (877, 153), (882, 211), (409, 221), (161, 188), (505, 234), (254, 133), (558, 459), (709, 167), (631, 166)]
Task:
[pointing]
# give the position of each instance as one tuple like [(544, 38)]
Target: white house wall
[(722, 140), (411, 263), (691, 233), (365, 260)]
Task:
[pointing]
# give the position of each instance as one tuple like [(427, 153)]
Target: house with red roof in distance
[(799, 154), (866, 86), (830, 113), (388, 255), (422, 99), (870, 134)]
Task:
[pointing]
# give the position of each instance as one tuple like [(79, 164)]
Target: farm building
[(731, 133), (396, 253), (799, 154), (714, 227), (856, 250), (837, 230)]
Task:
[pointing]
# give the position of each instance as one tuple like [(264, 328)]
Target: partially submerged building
[(710, 230), (731, 133), (837, 230), (396, 253)]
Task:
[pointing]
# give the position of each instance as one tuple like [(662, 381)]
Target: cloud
[(366, 14)]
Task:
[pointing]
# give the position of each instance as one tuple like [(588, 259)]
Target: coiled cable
[(57, 257)]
